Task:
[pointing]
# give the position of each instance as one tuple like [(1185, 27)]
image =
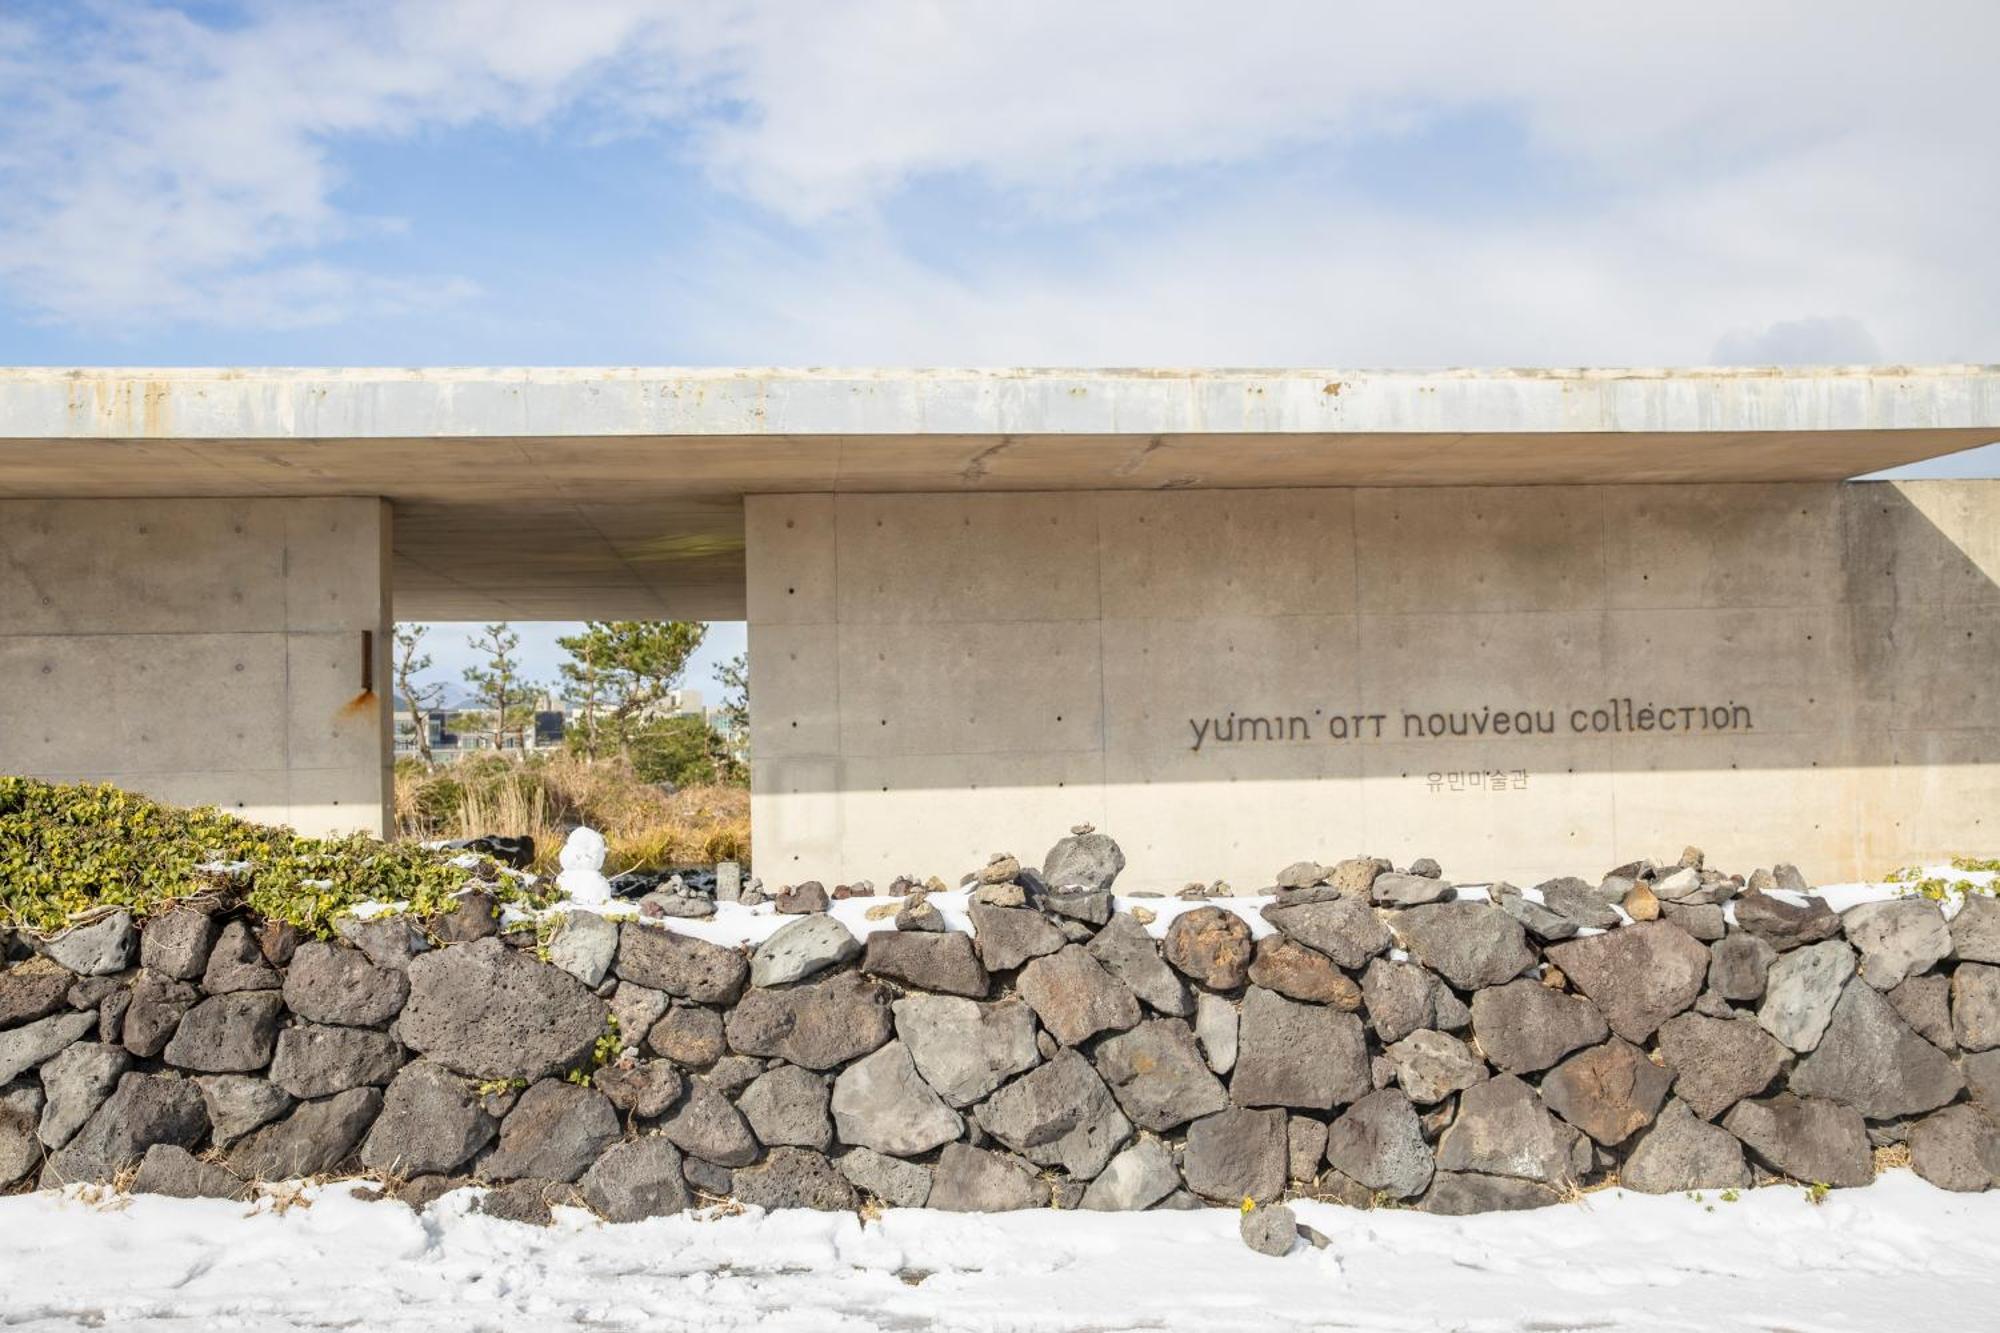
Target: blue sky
[(912, 182)]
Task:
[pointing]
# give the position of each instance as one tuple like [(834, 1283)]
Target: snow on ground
[(734, 923), (1879, 1258)]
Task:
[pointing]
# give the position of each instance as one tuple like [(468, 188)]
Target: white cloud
[(1726, 179)]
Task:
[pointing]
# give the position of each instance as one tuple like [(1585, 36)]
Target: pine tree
[(421, 699)]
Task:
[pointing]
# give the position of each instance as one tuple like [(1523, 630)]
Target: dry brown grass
[(541, 796)]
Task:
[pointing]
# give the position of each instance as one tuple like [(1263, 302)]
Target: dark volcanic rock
[(1469, 944), (1784, 925), (636, 1180), (488, 1012), (1007, 937), (1379, 1142), (1718, 1062), (228, 1034), (143, 1110), (1870, 1060), (1524, 1026), (1075, 997), (432, 1123), (1639, 976), (330, 983), (1808, 1139), (1302, 1055), (1344, 929), (665, 960), (1610, 1092), (942, 964), (818, 1024), (314, 1139), (795, 1178), (1237, 1154), (1157, 1074), (554, 1132)]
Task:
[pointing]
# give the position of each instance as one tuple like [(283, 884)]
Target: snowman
[(582, 879)]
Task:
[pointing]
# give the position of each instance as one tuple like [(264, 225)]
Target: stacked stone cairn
[(1392, 1041)]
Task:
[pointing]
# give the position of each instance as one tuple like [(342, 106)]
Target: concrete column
[(226, 652)]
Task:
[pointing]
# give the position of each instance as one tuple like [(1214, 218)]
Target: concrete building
[(1525, 622)]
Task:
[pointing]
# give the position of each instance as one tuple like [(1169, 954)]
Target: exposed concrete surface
[(938, 677), (203, 651), (565, 493)]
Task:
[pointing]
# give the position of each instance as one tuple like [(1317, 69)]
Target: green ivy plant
[(67, 849)]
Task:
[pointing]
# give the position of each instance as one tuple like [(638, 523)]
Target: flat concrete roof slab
[(541, 492)]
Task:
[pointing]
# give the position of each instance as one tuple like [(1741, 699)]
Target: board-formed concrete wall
[(1806, 670), (220, 652)]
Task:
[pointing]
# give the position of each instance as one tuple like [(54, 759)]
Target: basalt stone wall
[(1392, 1039)]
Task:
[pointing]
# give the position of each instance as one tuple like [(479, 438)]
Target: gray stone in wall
[(176, 943), (1524, 1026), (316, 1138), (1298, 1055), (707, 1125), (963, 1048), (1717, 1062), (788, 1107), (76, 1081), (1305, 1146), (1430, 1066), (1609, 1092), (1137, 1178), (21, 1108), (818, 1024), (1541, 922), (793, 1177), (142, 1110), (235, 963), (555, 1132), (1705, 921), (1870, 1060), (1975, 931), (584, 946), (25, 1047), (638, 1008), (1345, 929), (978, 1180), (1737, 966), (1580, 902), (490, 1012), (1379, 1143), (33, 989), (158, 1004), (894, 1181), (1463, 1193), (1469, 944), (681, 965), (1156, 1073), (1237, 1154), (1132, 956), (327, 983), (318, 1060), (1897, 938), (943, 964), (1957, 1148), (802, 948), (1801, 991), (1639, 976), (1215, 1031), (1975, 1006), (688, 1034), (1007, 937), (1397, 998), (239, 1103), (1786, 925), (1809, 1139), (432, 1122), (636, 1180), (1502, 1129), (1394, 889), (644, 1088), (106, 945), (1086, 860), (390, 940), (881, 1102), (1058, 1114), (1925, 1004), (176, 1173), (1075, 997), (1683, 1152)]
